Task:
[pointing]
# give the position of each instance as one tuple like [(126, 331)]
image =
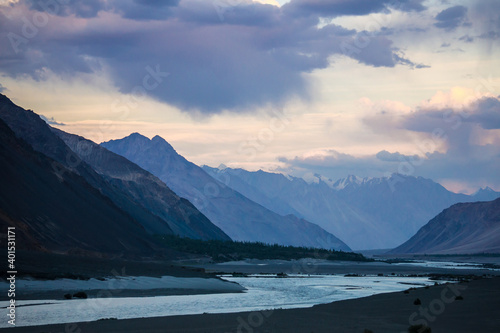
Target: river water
[(263, 292)]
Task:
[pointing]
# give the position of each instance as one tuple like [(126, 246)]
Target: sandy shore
[(45, 276), (393, 312), (315, 266), (130, 286)]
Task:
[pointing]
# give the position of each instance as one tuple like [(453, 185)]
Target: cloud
[(79, 8), (399, 58), (132, 9), (486, 113), (238, 56), (386, 156), (145, 9), (451, 18), (334, 8), (486, 16), (455, 140), (492, 35), (332, 164), (51, 121), (2, 88)]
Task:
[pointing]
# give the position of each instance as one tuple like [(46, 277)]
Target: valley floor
[(477, 311)]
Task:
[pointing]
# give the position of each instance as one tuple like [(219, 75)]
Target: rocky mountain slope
[(464, 228), (366, 213), (239, 217), (60, 212), (158, 215), (149, 191)]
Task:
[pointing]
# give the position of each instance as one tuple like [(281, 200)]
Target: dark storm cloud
[(206, 56), (451, 18), (133, 9), (485, 113), (335, 8), (79, 8), (144, 9)]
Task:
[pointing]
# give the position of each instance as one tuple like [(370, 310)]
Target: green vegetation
[(221, 251)]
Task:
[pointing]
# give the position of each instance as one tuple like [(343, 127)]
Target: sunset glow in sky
[(364, 87)]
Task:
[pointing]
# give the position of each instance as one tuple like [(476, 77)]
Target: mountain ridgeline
[(179, 214), (66, 194), (138, 197), (141, 195), (366, 213), (60, 212), (464, 228), (238, 216)]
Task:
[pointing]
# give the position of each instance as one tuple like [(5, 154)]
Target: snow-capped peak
[(348, 181), (222, 166)]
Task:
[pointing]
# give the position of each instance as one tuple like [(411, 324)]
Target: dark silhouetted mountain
[(464, 228), (366, 213), (239, 217), (60, 212), (181, 216), (112, 180)]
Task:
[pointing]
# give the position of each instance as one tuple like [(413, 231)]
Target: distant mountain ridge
[(238, 216), (139, 194), (61, 212), (485, 194), (464, 228), (179, 214), (367, 213)]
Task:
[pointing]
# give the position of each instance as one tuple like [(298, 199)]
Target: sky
[(303, 87)]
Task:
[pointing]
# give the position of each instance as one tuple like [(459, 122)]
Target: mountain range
[(469, 228), (65, 193), (136, 197), (179, 214), (60, 212), (238, 216), (366, 213)]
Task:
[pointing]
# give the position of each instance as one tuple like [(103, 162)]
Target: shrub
[(419, 329), (417, 301), (68, 296), (459, 298), (80, 294), (367, 331)]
